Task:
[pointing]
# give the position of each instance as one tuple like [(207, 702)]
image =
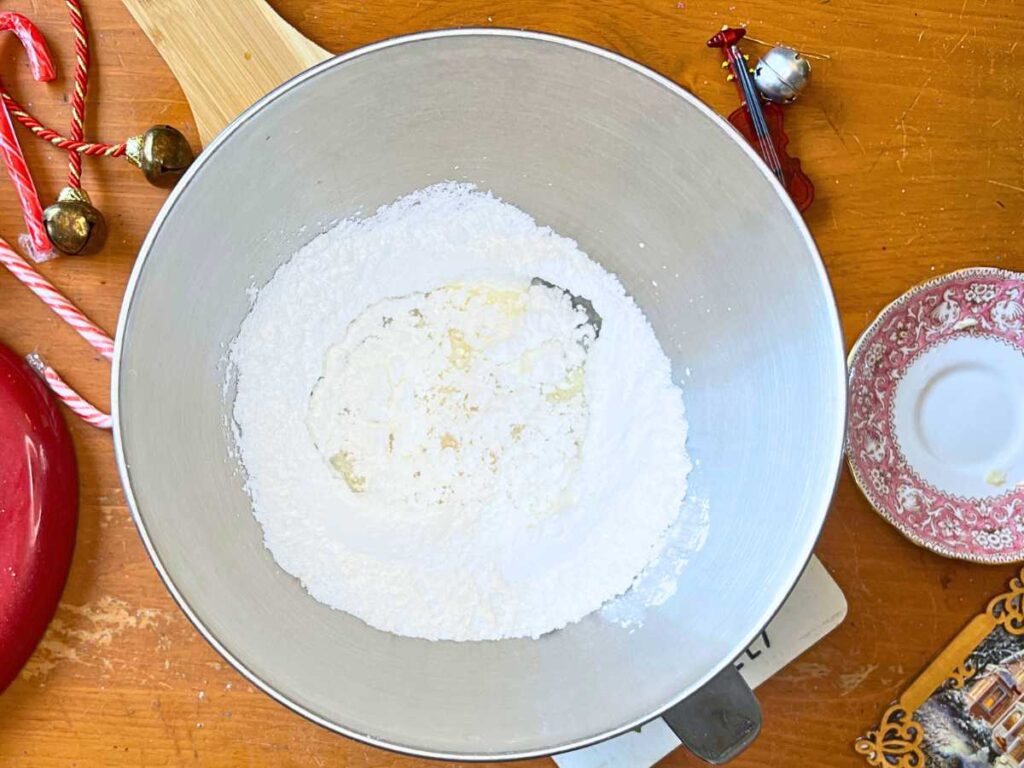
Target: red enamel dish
[(38, 510)]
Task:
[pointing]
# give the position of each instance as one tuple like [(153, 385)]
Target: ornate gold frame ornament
[(899, 740)]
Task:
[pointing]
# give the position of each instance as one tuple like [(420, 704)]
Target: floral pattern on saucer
[(982, 301)]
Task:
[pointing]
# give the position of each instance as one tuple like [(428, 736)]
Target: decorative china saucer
[(935, 435)]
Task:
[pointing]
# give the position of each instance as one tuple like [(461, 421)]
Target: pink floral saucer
[(935, 437)]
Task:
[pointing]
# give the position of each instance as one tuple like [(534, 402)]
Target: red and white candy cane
[(55, 300), (71, 314), (14, 159), (43, 70), (32, 40), (75, 142), (71, 399)]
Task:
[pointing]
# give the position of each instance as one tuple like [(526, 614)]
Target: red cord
[(78, 93), (42, 69), (93, 149), (75, 144)]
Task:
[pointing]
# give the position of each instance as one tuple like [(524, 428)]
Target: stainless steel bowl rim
[(123, 465)]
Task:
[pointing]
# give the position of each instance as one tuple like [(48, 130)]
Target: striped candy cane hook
[(74, 317), (42, 69), (68, 312), (32, 40), (56, 301), (88, 412)]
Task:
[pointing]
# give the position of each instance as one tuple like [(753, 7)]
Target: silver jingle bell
[(782, 74)]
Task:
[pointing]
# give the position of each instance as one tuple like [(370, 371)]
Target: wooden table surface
[(913, 132)]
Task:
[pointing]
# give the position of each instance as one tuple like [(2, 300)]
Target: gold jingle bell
[(162, 153), (74, 226)]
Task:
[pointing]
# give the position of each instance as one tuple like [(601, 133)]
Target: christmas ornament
[(762, 124), (162, 153), (130, 150), (72, 222), (42, 70), (74, 226), (38, 241), (97, 338), (39, 499), (781, 74)]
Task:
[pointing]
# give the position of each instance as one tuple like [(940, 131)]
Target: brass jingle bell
[(162, 153), (73, 225)]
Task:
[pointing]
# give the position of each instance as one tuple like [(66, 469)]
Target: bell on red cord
[(73, 224), (162, 153)]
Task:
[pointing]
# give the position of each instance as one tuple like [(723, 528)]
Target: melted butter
[(343, 463), (491, 313), (509, 300), (569, 388), (461, 351)]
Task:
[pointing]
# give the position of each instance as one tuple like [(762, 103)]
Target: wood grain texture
[(914, 135), (225, 55)]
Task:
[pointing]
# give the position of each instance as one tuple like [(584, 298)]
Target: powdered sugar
[(551, 464), (463, 403), (657, 583)]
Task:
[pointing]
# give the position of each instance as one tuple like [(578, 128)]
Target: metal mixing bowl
[(602, 150)]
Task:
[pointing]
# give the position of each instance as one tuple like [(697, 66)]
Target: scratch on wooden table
[(1005, 185), (917, 98), (106, 515), (78, 633), (851, 681), (834, 127), (854, 540), (882, 152), (953, 50), (901, 126), (49, 652), (803, 671), (170, 730)]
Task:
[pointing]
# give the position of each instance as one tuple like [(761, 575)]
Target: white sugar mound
[(444, 446)]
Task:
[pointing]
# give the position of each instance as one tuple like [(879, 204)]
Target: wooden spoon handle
[(226, 54)]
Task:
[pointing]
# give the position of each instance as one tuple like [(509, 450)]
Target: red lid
[(38, 510)]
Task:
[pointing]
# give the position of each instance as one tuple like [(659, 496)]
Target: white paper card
[(814, 608)]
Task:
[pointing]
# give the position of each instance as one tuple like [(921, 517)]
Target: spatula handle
[(225, 54)]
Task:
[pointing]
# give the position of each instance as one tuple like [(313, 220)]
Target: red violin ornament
[(760, 121)]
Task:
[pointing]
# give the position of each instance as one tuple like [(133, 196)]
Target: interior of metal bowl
[(603, 151)]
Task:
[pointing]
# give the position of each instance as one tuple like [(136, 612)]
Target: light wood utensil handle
[(226, 54)]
